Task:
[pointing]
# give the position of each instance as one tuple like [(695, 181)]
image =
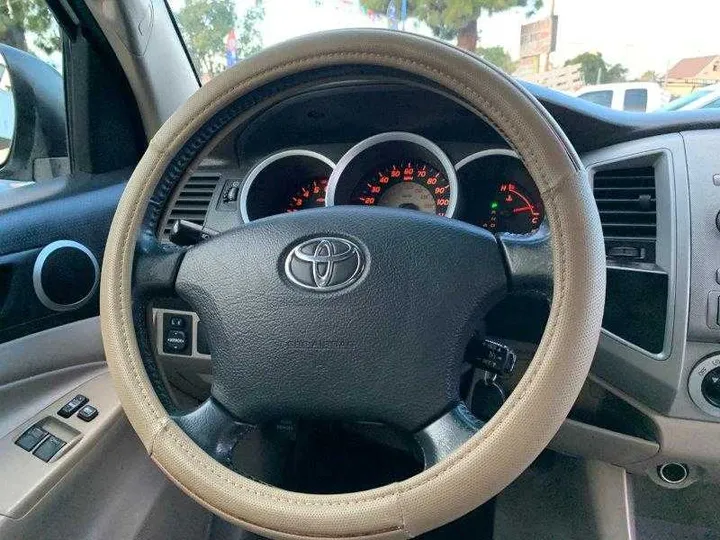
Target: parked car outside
[(631, 97)]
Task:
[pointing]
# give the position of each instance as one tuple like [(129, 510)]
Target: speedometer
[(411, 184), (398, 170)]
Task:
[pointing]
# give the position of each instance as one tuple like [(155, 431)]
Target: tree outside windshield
[(636, 56)]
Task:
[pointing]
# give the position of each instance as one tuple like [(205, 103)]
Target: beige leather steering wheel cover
[(507, 444)]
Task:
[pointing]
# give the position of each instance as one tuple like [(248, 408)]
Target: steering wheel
[(387, 343)]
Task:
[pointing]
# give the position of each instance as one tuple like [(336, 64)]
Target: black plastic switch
[(711, 386), (49, 448), (72, 406), (177, 333), (30, 439), (175, 341), (87, 413), (491, 356), (177, 322)]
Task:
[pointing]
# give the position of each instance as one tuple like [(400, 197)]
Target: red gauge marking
[(309, 195), (529, 206), (407, 184)]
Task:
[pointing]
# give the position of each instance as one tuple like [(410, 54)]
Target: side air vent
[(627, 205), (193, 201)]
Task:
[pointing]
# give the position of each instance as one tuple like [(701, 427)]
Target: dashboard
[(489, 188), (381, 143)]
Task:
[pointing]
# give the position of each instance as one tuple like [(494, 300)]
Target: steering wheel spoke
[(528, 260), (156, 267), (440, 438), (214, 429)]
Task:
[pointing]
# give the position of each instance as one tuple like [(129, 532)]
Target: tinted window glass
[(715, 104), (635, 100), (603, 97)]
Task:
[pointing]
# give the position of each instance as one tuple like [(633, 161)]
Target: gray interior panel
[(114, 493), (652, 378), (65, 346)]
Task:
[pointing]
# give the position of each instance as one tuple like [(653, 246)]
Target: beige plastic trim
[(25, 478), (611, 500), (592, 442), (527, 421)]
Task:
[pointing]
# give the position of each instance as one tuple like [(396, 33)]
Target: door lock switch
[(87, 413)]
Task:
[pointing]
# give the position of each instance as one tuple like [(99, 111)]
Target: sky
[(640, 34)]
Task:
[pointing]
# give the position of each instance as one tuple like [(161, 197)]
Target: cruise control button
[(72, 406), (87, 413), (49, 448), (30, 439)]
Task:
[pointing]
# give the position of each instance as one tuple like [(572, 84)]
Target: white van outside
[(628, 96)]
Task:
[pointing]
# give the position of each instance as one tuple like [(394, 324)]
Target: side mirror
[(33, 125), (7, 112)]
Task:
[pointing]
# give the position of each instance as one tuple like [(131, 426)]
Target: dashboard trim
[(257, 169), (486, 153)]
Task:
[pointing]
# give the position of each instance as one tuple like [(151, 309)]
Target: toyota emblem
[(324, 264)]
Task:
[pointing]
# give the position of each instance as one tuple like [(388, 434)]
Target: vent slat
[(192, 202), (627, 206)]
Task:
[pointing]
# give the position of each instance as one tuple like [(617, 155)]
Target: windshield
[(685, 101), (627, 55)]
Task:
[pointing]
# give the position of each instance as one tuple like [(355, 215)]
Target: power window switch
[(49, 448), (87, 413), (31, 438), (72, 406)]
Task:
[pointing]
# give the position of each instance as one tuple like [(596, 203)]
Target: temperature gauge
[(512, 209)]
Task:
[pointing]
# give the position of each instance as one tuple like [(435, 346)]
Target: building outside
[(692, 73)]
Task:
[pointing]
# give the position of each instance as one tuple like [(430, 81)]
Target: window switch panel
[(72, 406), (49, 448), (31, 438)]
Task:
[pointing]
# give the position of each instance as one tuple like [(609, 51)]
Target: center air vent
[(627, 205), (193, 202)]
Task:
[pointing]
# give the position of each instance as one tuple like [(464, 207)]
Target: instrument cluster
[(491, 188)]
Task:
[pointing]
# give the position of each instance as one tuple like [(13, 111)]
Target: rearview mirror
[(7, 112)]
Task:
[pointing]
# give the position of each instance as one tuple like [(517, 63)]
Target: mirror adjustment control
[(49, 448), (175, 341), (87, 413), (72, 406), (177, 329), (31, 438)]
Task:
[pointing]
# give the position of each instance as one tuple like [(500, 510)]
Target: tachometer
[(310, 195), (411, 184)]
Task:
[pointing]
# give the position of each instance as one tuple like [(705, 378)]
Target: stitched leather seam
[(303, 534)]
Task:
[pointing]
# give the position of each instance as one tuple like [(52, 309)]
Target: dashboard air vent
[(193, 201), (627, 205)]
